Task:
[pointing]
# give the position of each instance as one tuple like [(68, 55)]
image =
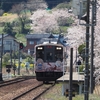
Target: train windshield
[(49, 53), (58, 53), (49, 56), (40, 52)]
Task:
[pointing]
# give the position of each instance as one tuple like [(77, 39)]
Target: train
[(49, 61)]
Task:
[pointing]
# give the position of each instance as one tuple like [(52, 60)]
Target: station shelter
[(77, 82)]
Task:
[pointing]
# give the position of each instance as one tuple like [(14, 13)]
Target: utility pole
[(86, 82), (1, 79), (11, 53), (14, 66), (71, 75), (19, 61), (93, 21)]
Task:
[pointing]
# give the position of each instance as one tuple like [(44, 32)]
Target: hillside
[(8, 18), (52, 3), (7, 5)]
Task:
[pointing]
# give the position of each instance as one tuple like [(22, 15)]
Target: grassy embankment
[(56, 94)]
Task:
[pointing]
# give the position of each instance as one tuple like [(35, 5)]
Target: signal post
[(20, 48), (1, 79)]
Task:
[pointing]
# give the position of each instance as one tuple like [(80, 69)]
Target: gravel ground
[(6, 93), (10, 91)]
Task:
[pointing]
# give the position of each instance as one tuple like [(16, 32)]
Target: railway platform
[(77, 81)]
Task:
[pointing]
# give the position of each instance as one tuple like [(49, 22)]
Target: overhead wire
[(31, 2)]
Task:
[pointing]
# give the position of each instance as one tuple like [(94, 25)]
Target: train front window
[(59, 53), (40, 53), (49, 56)]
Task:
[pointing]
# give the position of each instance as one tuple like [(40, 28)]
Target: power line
[(34, 2)]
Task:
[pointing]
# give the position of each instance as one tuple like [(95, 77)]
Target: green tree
[(81, 50), (8, 29), (21, 12), (6, 59)]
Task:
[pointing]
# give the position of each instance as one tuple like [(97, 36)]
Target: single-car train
[(49, 61)]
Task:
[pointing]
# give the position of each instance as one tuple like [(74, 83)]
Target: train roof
[(42, 35), (49, 44), (54, 42)]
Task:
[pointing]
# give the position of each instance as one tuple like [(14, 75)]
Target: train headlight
[(39, 48), (58, 48)]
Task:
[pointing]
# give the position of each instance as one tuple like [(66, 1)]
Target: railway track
[(16, 80), (11, 82), (34, 93), (24, 87), (9, 91)]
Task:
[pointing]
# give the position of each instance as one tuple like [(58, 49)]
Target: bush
[(6, 14), (31, 65), (65, 21), (81, 50), (6, 59), (29, 59), (63, 5), (81, 67)]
